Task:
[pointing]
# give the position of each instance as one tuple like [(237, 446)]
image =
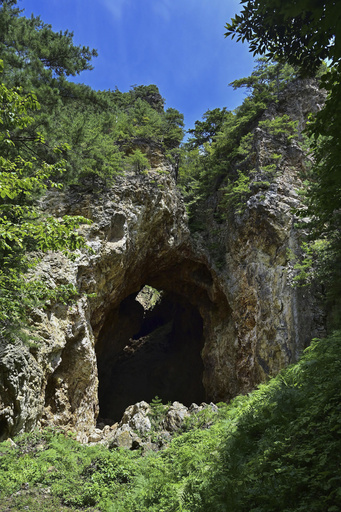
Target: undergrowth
[(276, 449)]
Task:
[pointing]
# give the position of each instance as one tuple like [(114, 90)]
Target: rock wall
[(273, 320), (253, 321)]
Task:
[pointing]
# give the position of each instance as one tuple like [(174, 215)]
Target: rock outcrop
[(217, 331), (273, 320)]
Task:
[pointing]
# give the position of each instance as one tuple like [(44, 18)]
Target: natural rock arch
[(144, 353), (136, 248), (191, 317), (250, 321)]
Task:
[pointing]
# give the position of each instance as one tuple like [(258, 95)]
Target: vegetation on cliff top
[(107, 126), (219, 155), (40, 149)]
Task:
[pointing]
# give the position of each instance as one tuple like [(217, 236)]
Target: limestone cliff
[(216, 331)]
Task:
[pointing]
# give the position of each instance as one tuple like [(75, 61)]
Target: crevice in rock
[(145, 351)]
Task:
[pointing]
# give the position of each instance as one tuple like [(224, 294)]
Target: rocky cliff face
[(214, 331)]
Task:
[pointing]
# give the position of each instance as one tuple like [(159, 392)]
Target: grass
[(277, 449)]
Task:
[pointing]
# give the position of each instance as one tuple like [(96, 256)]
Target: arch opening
[(150, 345)]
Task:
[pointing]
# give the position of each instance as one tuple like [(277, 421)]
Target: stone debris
[(137, 431), (136, 417), (175, 417)]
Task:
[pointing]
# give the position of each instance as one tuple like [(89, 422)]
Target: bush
[(276, 449)]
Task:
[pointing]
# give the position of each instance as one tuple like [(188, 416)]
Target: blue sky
[(179, 45)]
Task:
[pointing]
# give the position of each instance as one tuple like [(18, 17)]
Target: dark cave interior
[(150, 350)]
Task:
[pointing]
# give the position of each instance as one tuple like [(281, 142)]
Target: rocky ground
[(151, 426)]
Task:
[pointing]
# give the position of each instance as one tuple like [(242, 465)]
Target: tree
[(219, 153), (39, 60), (205, 131), (137, 160), (150, 94), (22, 228), (172, 128), (305, 33), (267, 80), (32, 51)]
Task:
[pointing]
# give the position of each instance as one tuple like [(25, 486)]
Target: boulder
[(175, 417)]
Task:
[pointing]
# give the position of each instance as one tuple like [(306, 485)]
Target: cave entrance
[(150, 346)]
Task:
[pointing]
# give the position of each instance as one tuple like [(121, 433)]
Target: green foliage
[(313, 254), (23, 228), (281, 127), (29, 43), (236, 193), (78, 475), (137, 160), (148, 93), (157, 412), (172, 129), (139, 117), (221, 155), (265, 83), (285, 451), (276, 449), (91, 150), (203, 419), (302, 33), (206, 130), (268, 79), (305, 34), (38, 60), (104, 131), (105, 126)]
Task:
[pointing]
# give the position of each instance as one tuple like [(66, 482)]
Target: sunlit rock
[(221, 322)]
